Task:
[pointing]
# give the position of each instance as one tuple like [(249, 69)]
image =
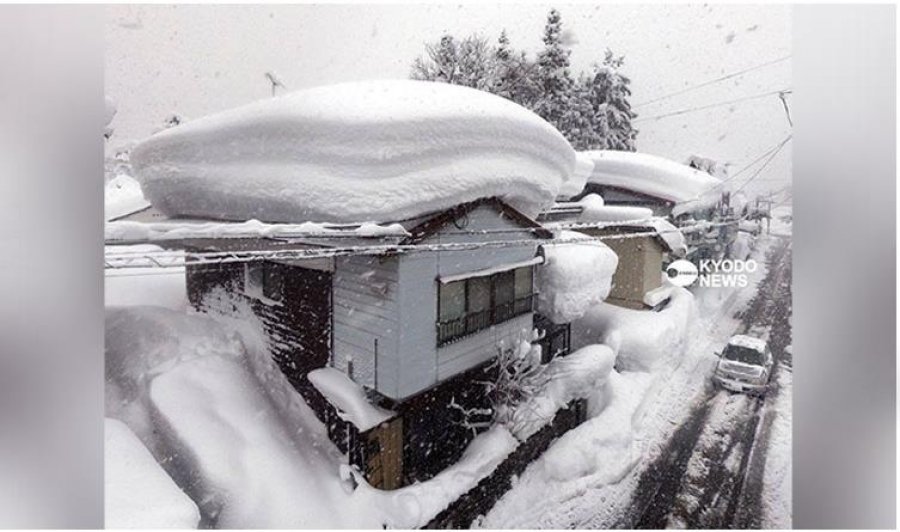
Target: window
[(470, 305), (264, 281), (453, 300)]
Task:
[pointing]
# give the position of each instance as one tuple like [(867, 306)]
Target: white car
[(745, 365)]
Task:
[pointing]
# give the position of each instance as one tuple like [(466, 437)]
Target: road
[(710, 473)]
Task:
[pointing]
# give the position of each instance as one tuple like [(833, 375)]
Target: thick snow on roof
[(139, 494), (123, 196), (574, 277), (572, 186), (655, 176), (375, 150), (348, 398)]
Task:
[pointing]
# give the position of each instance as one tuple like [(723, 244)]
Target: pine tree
[(609, 95), (552, 74)]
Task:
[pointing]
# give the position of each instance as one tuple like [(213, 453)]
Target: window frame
[(474, 321), (260, 288)]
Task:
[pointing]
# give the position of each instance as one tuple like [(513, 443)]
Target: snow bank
[(139, 494), (642, 340), (656, 176), (574, 277), (414, 506), (573, 186), (204, 395), (375, 150), (348, 398), (578, 375)]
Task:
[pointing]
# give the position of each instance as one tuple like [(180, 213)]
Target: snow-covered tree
[(609, 93), (552, 75), (467, 62), (518, 377)]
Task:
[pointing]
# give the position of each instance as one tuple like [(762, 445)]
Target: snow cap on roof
[(572, 186), (375, 150), (348, 398), (655, 176)]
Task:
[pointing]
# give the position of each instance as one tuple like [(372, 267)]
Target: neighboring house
[(689, 195), (411, 331), (638, 282), (644, 249)]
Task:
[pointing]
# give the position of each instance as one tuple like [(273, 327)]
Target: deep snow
[(689, 188), (139, 494), (373, 150), (574, 277)]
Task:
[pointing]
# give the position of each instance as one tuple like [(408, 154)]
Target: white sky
[(196, 60)]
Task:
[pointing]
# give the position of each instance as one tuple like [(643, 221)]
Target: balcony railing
[(452, 330)]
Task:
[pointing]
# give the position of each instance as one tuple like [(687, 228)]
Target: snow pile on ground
[(124, 231), (584, 167), (777, 498), (350, 400), (204, 395), (139, 494), (122, 196), (415, 505), (375, 150), (579, 375), (599, 452), (642, 340), (574, 277), (742, 246), (648, 174)]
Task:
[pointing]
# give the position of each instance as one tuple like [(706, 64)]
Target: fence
[(480, 499)]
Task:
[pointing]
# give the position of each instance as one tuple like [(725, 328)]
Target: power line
[(765, 164), (713, 105), (713, 81), (178, 259)]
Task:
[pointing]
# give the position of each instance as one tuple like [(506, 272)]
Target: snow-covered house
[(644, 244), (683, 193), (388, 329)]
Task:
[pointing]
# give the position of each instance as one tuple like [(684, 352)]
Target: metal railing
[(452, 330)]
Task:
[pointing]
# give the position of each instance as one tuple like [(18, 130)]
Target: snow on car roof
[(742, 340), (370, 150)]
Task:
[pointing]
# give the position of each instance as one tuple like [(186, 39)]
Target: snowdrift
[(362, 151), (139, 494), (643, 341), (648, 174)]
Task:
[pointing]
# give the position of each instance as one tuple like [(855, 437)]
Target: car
[(745, 365)]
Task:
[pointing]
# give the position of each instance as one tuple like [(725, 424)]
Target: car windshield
[(746, 355)]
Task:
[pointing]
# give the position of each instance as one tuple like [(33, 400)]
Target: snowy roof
[(572, 186), (655, 176), (742, 340), (373, 150), (349, 398)]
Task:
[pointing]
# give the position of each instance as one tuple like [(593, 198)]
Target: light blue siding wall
[(365, 310), (394, 300)]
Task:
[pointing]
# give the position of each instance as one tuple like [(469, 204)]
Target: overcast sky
[(196, 60)]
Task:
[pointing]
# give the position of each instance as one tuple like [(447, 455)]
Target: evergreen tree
[(610, 92), (552, 74)]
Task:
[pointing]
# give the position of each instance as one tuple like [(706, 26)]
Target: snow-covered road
[(692, 443), (714, 473)]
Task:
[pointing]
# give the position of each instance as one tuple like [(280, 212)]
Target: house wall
[(366, 310), (639, 269), (419, 363)]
